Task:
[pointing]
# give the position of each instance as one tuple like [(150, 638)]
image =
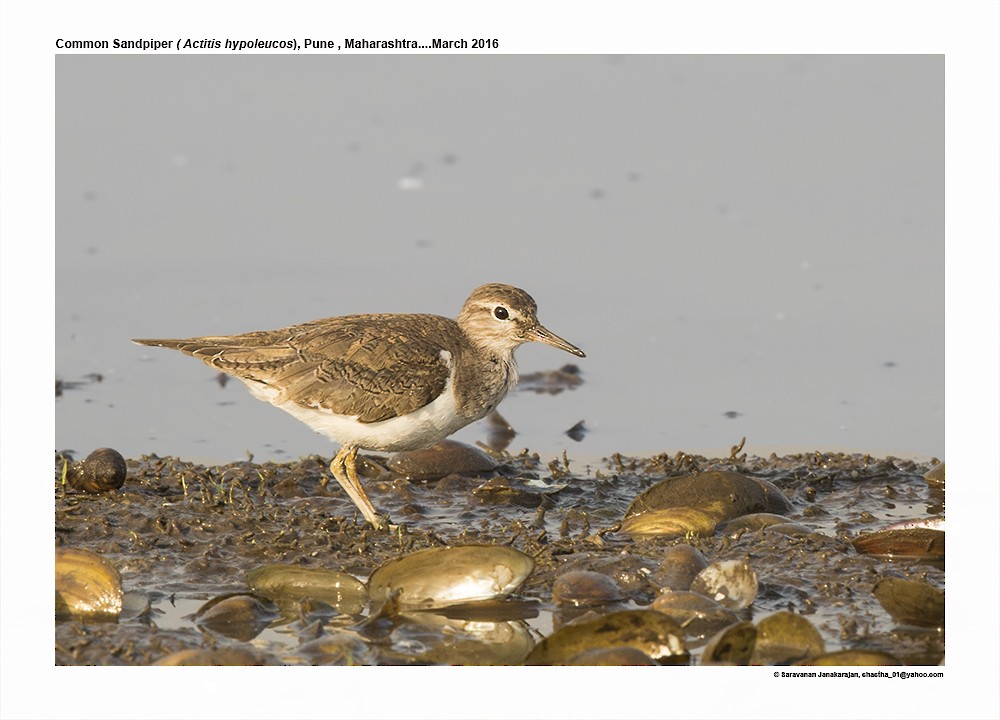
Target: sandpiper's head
[(501, 317)]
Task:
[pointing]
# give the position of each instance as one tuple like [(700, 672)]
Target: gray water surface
[(743, 245)]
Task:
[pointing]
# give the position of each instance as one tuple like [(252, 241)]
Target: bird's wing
[(373, 367)]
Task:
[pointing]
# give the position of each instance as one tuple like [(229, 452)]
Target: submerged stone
[(241, 617), (691, 503), (680, 565), (584, 587), (447, 457), (696, 614), (293, 582)]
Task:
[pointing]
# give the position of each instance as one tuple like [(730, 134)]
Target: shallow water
[(743, 245), (181, 534)]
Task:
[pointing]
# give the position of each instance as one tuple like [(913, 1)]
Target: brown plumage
[(385, 381), (348, 365)]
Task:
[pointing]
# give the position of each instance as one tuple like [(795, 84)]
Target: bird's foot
[(345, 471)]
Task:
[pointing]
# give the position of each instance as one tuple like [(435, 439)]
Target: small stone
[(103, 470), (447, 457), (585, 588)]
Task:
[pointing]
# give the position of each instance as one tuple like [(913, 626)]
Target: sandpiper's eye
[(500, 313)]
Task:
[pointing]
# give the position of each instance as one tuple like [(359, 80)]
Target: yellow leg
[(345, 470)]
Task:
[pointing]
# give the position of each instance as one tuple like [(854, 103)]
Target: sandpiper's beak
[(540, 334)]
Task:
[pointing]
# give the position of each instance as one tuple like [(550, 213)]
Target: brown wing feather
[(376, 367)]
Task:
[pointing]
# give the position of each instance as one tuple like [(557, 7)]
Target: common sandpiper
[(384, 382)]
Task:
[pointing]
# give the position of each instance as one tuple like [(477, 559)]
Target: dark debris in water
[(552, 382), (181, 532), (88, 379)]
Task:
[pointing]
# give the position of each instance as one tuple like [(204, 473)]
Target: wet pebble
[(648, 631), (911, 602), (677, 506), (103, 470), (935, 476), (784, 638), (732, 645), (631, 572), (852, 658), (585, 588), (507, 491), (723, 493), (292, 582), (86, 585), (912, 542), (677, 522), (446, 457), (679, 567), (241, 617), (696, 614), (438, 577), (752, 522), (731, 583)]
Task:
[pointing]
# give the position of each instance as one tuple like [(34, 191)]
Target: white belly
[(419, 429)]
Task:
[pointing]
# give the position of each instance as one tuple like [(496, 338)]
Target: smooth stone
[(585, 588), (447, 457), (103, 470), (851, 658), (648, 631), (786, 637), (442, 576), (631, 572), (732, 645), (731, 583), (241, 617), (293, 582), (721, 494), (679, 567), (914, 542), (86, 585), (678, 522), (696, 614), (911, 602), (752, 522)]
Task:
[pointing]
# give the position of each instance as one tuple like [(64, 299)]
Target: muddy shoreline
[(182, 534)]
